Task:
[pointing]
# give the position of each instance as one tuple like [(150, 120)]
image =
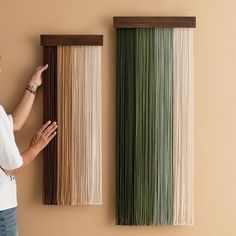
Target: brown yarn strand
[(64, 106), (50, 113)]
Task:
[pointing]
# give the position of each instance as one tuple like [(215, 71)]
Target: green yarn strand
[(144, 127)]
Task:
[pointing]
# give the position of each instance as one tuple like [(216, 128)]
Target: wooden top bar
[(56, 40), (154, 22)]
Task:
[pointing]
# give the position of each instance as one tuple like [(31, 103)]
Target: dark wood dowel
[(56, 40), (154, 22)]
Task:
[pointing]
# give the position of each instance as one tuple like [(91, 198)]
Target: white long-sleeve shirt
[(10, 158)]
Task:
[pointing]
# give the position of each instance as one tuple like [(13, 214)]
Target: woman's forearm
[(39, 141), (22, 110), (27, 156)]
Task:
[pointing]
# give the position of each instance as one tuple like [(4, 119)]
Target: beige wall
[(21, 23)]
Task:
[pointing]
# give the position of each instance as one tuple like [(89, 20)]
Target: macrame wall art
[(154, 161), (72, 97)]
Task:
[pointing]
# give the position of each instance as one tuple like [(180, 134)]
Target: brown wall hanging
[(72, 97)]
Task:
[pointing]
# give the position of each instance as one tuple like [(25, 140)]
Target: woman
[(11, 161)]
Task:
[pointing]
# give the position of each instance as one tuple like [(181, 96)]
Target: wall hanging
[(72, 97), (154, 160)]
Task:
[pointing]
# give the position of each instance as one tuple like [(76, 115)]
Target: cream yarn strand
[(183, 126), (79, 125)]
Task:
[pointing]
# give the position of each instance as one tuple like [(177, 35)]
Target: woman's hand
[(36, 79), (41, 139)]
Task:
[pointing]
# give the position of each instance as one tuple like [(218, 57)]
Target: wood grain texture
[(56, 40), (154, 22)]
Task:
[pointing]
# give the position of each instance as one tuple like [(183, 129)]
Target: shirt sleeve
[(10, 157), (10, 121)]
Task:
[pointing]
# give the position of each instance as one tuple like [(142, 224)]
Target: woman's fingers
[(50, 137), (44, 135), (45, 125), (39, 67), (50, 129), (43, 68)]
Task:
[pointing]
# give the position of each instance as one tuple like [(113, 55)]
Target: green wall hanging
[(154, 143)]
